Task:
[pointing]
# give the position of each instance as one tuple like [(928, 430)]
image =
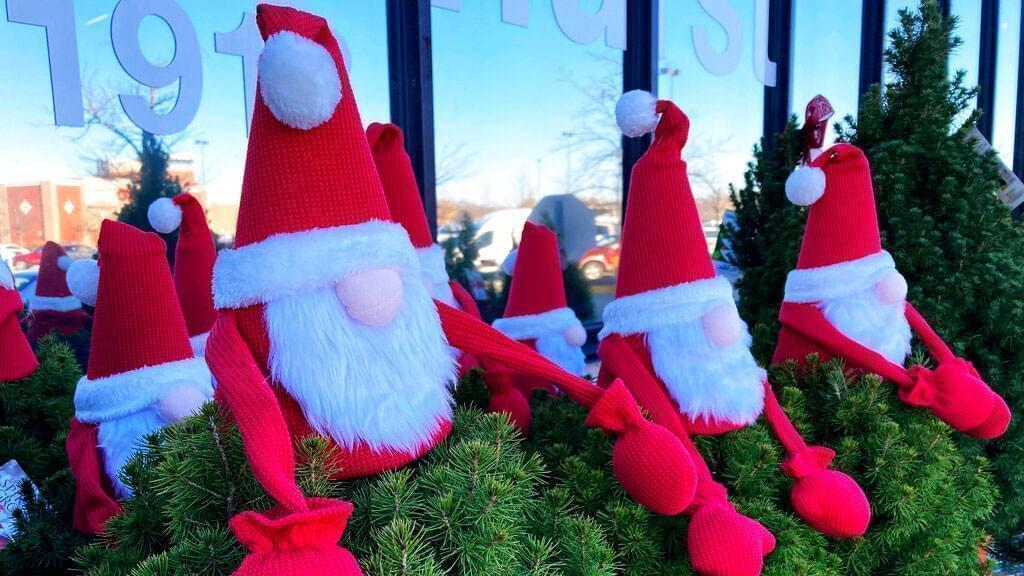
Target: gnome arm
[(94, 504), (924, 331), (464, 299), (255, 409), (641, 447)]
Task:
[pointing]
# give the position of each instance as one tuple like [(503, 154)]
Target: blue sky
[(504, 95)]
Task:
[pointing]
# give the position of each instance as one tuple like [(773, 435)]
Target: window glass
[(1007, 58), (818, 29), (58, 182), (968, 14), (708, 67), (525, 129)]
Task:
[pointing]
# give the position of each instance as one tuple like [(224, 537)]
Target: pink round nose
[(575, 335), (722, 325), (892, 288), (372, 297)]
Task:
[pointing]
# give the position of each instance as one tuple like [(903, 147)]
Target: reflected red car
[(602, 260), (33, 258)]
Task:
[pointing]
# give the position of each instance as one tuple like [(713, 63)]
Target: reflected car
[(9, 251), (602, 260), (33, 258)]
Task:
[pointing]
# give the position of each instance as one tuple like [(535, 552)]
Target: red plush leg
[(828, 500), (94, 501), (507, 398), (300, 536), (649, 461)]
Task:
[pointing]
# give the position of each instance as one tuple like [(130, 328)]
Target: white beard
[(119, 439), (880, 327), (707, 381), (443, 293), (570, 358), (385, 386)]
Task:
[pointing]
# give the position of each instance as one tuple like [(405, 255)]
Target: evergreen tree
[(939, 216), (34, 417), (151, 182)]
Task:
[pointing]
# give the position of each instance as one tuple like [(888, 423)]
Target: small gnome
[(536, 315), (406, 206), (846, 299), (325, 325), (194, 255), (53, 308), (673, 334), (142, 373), (16, 358)]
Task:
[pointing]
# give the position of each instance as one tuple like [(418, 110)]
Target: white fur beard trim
[(570, 358), (123, 394), (121, 438), (536, 325), (880, 327), (838, 280), (432, 263), (54, 303), (198, 343), (707, 381), (383, 386)]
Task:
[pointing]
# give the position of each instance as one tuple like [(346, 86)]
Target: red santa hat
[(536, 298), (139, 350), (52, 291), (194, 256), (665, 272), (403, 196), (16, 357), (310, 193)]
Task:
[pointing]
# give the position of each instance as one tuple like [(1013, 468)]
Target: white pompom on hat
[(635, 113), (83, 280), (164, 215), (805, 185), (298, 80)]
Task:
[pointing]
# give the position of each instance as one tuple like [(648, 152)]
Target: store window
[(1007, 55), (712, 65), (524, 99), (58, 180), (820, 33)]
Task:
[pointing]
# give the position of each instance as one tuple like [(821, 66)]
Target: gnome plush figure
[(52, 307), (326, 326), (142, 373), (406, 206), (194, 255), (16, 357), (674, 336), (846, 299), (537, 315)]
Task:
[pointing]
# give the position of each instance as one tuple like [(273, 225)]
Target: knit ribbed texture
[(843, 224), (94, 501), (394, 167), (662, 229), (297, 180), (137, 322), (194, 256), (537, 283), (51, 281), (954, 392), (16, 357)]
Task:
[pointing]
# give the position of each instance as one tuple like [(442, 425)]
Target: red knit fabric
[(16, 357), (842, 225), (194, 256), (94, 496), (467, 304), (297, 180), (137, 322), (51, 282), (399, 182), (954, 392), (537, 284), (662, 230), (42, 322)]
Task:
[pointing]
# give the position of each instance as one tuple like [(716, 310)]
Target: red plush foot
[(723, 542), (296, 543), (506, 397), (650, 462), (828, 500), (997, 422)]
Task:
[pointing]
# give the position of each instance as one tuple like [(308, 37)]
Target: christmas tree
[(939, 216), (151, 182), (34, 417)]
